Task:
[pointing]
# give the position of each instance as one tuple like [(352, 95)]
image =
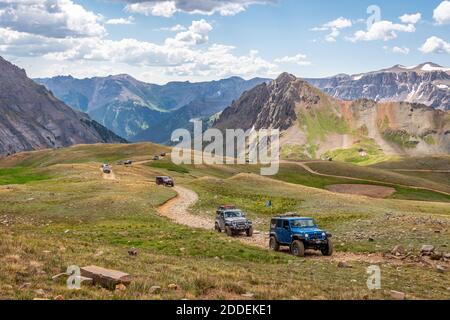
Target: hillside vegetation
[(57, 211)]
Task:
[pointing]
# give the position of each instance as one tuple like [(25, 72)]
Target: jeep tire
[(217, 228), (229, 231), (298, 248), (273, 244), (249, 232), (328, 250)]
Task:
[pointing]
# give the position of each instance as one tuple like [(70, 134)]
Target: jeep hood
[(236, 219), (307, 230)]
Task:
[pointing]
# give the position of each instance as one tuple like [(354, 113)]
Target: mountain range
[(32, 118), (140, 111), (427, 83), (314, 124), (395, 111)]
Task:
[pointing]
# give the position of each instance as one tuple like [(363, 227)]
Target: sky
[(159, 41)]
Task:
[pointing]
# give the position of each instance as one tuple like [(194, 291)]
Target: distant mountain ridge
[(314, 124), (142, 111), (32, 118), (427, 83)]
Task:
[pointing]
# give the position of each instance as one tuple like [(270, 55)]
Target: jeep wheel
[(217, 228), (229, 231), (328, 250), (273, 244), (249, 232), (298, 248)]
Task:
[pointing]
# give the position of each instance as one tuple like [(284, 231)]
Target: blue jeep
[(299, 233)]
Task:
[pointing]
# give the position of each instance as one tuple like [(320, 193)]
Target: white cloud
[(411, 18), (299, 59), (402, 50), (381, 30), (196, 34), (167, 8), (160, 8), (334, 28), (52, 18), (129, 20), (66, 49), (219, 61), (435, 45), (339, 23), (442, 13), (175, 28)]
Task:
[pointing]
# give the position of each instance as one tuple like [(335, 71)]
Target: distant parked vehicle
[(156, 158), (163, 154), (233, 221), (299, 234), (128, 162), (106, 168), (165, 181)]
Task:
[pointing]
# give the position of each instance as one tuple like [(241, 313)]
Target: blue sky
[(213, 39)]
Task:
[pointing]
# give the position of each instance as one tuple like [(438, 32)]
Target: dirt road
[(177, 209), (305, 166), (110, 176)]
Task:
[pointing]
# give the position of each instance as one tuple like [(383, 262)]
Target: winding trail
[(108, 176), (305, 166), (177, 209)]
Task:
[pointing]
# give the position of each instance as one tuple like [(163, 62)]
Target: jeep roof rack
[(227, 207)]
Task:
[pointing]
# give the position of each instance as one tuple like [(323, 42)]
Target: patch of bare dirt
[(362, 190), (177, 209), (108, 176)]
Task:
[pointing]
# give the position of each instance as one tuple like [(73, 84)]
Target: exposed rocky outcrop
[(318, 123), (32, 118), (427, 83)]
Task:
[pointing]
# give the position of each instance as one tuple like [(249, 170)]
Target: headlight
[(324, 234), (306, 235)]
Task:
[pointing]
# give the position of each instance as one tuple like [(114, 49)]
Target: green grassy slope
[(77, 217)]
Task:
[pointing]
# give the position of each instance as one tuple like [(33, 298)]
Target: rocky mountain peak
[(427, 83), (315, 122), (32, 118)]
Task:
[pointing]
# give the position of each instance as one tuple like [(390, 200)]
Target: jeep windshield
[(233, 214), (303, 223)]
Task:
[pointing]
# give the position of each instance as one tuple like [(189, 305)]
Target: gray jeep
[(232, 221)]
